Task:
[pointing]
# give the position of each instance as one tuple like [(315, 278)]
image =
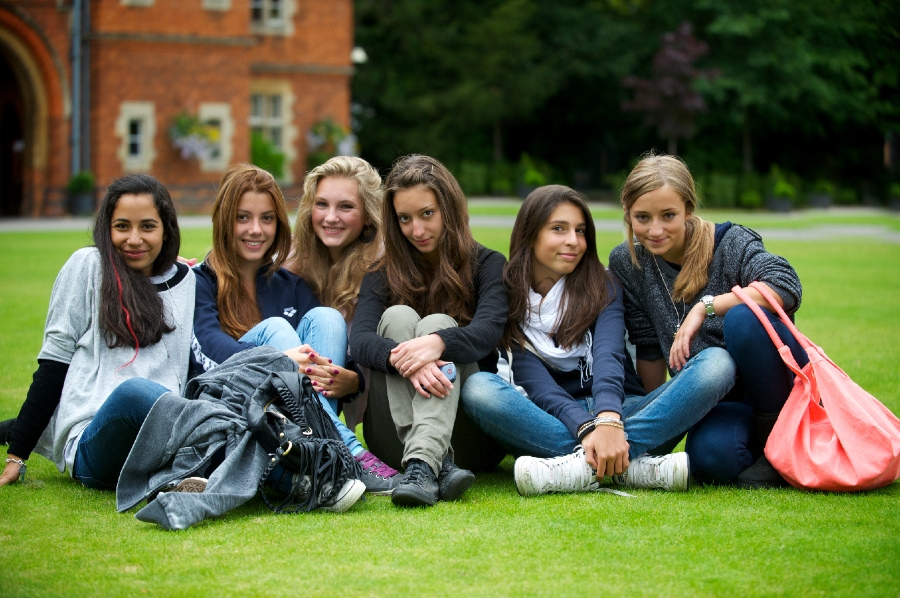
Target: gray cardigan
[(739, 259), (181, 434)]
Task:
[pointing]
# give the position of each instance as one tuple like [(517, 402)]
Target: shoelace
[(373, 464), (566, 473), (415, 474), (648, 472)]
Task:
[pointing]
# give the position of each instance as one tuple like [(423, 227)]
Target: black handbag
[(290, 424)]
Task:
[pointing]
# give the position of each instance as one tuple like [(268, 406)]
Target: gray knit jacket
[(739, 259)]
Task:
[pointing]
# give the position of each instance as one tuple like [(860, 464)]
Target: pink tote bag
[(831, 434)]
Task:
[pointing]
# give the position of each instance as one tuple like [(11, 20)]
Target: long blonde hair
[(336, 284), (651, 173), (237, 315)]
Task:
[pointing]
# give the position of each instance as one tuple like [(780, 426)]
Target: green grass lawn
[(61, 539)]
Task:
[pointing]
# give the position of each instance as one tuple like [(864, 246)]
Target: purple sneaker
[(378, 476)]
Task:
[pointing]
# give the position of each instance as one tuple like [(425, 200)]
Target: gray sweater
[(73, 335), (739, 259)]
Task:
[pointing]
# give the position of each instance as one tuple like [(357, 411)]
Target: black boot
[(761, 474), (452, 480), (6, 428)]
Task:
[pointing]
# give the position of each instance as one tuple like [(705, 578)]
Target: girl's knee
[(276, 324), (742, 327), (398, 322), (327, 316), (434, 322), (479, 387), (714, 366), (402, 312)]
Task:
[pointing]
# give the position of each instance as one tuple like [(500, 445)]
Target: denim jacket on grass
[(181, 434)]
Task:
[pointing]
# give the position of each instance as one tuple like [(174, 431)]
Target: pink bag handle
[(783, 349), (770, 297)]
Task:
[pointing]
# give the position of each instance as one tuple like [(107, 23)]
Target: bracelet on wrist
[(585, 429), (22, 467), (610, 424), (608, 421)]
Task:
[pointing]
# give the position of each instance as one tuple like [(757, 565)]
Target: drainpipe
[(85, 42), (75, 138), (80, 143)]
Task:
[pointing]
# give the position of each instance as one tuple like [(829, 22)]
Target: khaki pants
[(424, 426)]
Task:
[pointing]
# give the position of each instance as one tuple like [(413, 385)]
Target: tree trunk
[(498, 142), (673, 145), (747, 147)]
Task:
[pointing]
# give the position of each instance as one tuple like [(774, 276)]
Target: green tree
[(787, 63)]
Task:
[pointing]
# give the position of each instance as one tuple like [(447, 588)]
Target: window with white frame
[(217, 115), (272, 16), (136, 129), (267, 117), (270, 117)]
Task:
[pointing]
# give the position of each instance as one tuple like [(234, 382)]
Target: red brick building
[(97, 84)]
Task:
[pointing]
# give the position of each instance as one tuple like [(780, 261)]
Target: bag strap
[(783, 349), (770, 297)]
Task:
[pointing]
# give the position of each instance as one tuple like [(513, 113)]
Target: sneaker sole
[(349, 497), (385, 488), (412, 498), (687, 474), (456, 484), (195, 485)]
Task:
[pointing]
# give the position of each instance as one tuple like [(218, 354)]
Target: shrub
[(264, 154), (81, 182), (472, 177)]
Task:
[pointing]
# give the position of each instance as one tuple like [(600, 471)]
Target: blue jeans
[(726, 441), (106, 441), (323, 329), (650, 420)]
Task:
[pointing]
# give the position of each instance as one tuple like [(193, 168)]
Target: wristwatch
[(708, 302)]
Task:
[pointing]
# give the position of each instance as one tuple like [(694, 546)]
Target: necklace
[(680, 317)]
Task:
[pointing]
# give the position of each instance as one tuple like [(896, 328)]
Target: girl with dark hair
[(120, 317), (677, 274), (245, 298), (580, 412), (435, 298)]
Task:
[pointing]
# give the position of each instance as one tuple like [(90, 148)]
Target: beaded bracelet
[(22, 467), (585, 429)]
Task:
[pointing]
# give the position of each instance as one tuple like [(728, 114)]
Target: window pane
[(274, 107), (256, 105), (134, 137), (275, 136)]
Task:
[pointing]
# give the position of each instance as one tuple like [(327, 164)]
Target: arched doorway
[(12, 141)]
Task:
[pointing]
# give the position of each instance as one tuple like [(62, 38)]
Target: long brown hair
[(336, 284), (586, 290), (651, 173), (447, 288), (237, 315)]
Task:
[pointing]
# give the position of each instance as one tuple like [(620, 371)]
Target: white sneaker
[(349, 493), (569, 473), (666, 472)]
